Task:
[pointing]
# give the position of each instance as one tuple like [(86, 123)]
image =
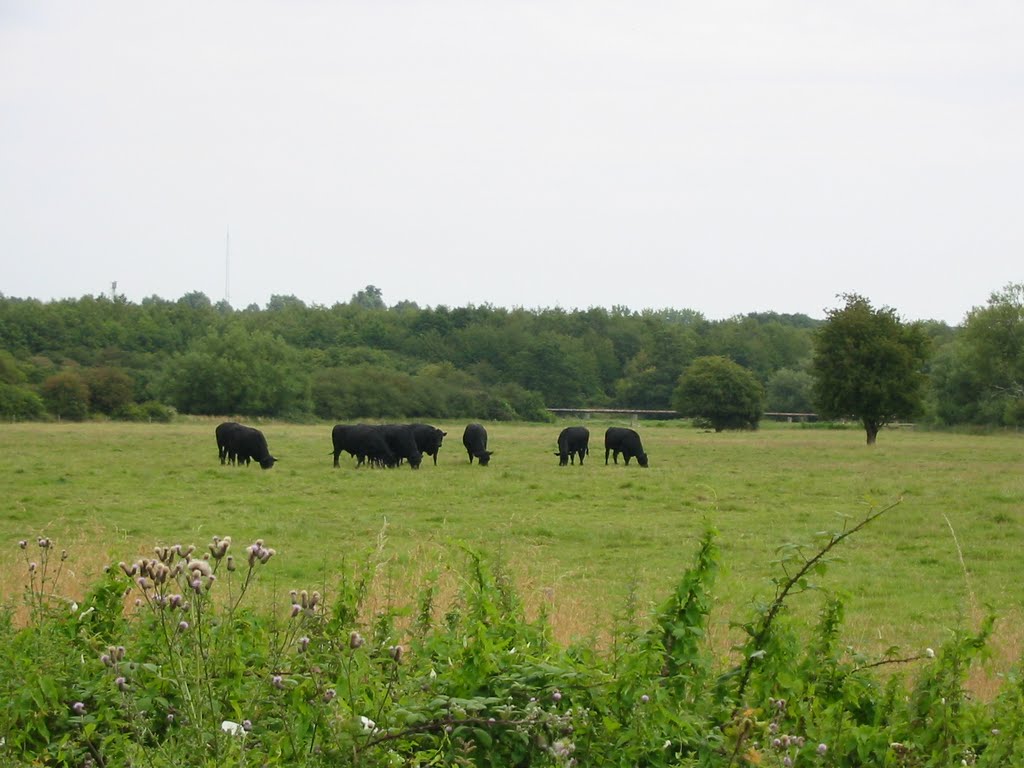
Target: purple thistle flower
[(556, 696), (822, 749), (644, 699), (182, 626), (277, 681), (78, 708), (121, 683)]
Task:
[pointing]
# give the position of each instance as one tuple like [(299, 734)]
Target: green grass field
[(576, 538)]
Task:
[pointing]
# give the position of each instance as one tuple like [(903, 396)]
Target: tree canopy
[(868, 365), (724, 393), (118, 359)]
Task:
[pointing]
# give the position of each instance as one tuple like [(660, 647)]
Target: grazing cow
[(224, 448), (625, 441), (402, 443), (428, 439), (572, 442), (365, 442), (244, 443), (475, 440)]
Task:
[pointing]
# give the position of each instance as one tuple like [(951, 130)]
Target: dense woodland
[(100, 356)]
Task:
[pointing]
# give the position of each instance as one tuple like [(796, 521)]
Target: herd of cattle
[(389, 445)]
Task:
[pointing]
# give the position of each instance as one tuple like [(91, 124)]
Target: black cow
[(244, 443), (625, 441), (365, 442), (224, 448), (428, 439), (475, 440), (402, 442), (572, 442)]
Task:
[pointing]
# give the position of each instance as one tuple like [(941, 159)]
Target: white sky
[(727, 157)]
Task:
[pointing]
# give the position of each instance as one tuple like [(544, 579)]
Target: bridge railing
[(635, 414)]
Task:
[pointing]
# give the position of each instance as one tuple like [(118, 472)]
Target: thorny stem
[(783, 592), (440, 725), (883, 662)]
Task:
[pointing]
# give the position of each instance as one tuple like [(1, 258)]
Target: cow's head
[(268, 462), (641, 459), (563, 459), (484, 457)]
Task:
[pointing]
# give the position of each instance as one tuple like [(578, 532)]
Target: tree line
[(361, 359)]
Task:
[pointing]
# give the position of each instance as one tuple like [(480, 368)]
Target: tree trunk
[(871, 428)]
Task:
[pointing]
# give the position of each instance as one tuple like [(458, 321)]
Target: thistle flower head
[(199, 567), (78, 708)]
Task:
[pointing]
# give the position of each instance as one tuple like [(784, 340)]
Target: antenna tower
[(227, 267)]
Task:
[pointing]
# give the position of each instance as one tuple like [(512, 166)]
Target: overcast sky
[(727, 157)]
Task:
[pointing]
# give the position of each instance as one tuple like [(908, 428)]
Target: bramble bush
[(165, 662)]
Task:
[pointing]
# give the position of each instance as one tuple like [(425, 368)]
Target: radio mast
[(227, 267)]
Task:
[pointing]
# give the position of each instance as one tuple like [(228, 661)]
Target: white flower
[(929, 653), (235, 729), (368, 724), (757, 654), (667, 744)]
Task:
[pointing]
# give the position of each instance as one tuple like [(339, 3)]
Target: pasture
[(579, 540)]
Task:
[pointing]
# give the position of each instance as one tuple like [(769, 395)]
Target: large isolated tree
[(868, 365), (723, 392)]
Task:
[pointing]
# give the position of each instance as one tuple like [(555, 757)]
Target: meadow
[(580, 541)]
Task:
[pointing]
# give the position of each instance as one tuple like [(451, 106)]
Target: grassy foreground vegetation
[(586, 572)]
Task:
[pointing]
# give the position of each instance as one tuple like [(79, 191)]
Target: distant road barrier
[(636, 413)]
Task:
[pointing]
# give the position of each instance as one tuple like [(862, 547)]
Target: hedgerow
[(167, 661)]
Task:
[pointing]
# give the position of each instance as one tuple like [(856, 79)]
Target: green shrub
[(165, 662)]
